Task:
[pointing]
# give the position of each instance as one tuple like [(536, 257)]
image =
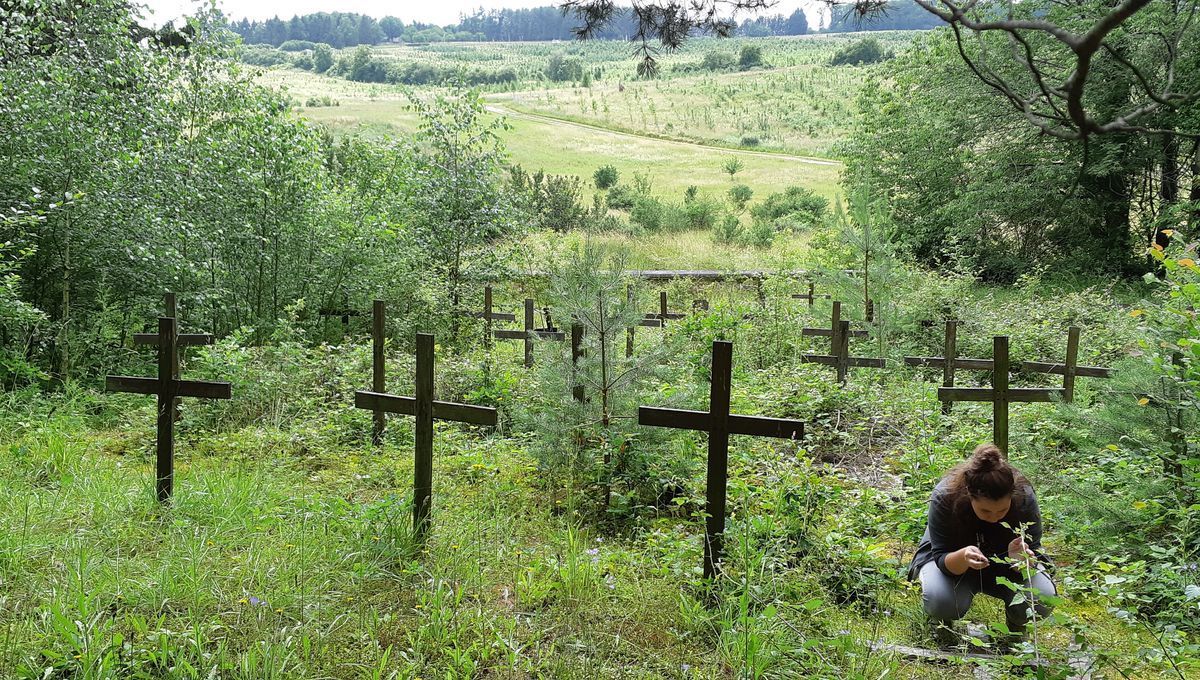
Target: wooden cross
[(949, 361), (1069, 370), (425, 409), (489, 316), (811, 296), (1000, 394), (183, 340), (662, 314), (719, 424), (576, 356), (168, 387), (839, 343), (378, 372), (529, 333)]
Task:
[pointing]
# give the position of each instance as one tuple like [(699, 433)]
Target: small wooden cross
[(835, 322), (811, 296), (839, 342), (662, 314), (167, 387), (1000, 394), (719, 424), (529, 333), (949, 361), (184, 340), (576, 357), (1069, 370), (489, 316), (425, 408)]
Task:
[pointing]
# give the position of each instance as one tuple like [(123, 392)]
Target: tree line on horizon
[(347, 29)]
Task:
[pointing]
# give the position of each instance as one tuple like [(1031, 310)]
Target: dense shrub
[(297, 45), (740, 195), (865, 51), (719, 61), (606, 177), (322, 58), (621, 197), (797, 203), (263, 55), (750, 57), (549, 201), (561, 68)]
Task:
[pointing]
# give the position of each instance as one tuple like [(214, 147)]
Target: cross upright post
[(425, 409), (378, 372), (529, 333), (720, 424), (949, 361), (168, 388), (834, 325), (1000, 394), (576, 357), (489, 315), (1069, 370), (663, 315)]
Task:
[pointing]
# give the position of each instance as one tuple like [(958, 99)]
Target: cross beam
[(168, 387), (1068, 370), (811, 296), (719, 424), (1000, 394), (949, 361), (834, 325), (662, 314), (425, 409), (529, 333)]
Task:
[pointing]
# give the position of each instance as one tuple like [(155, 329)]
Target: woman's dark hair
[(986, 474)]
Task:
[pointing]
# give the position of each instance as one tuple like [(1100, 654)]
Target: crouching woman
[(977, 515)]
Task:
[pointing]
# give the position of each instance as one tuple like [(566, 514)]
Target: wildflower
[(243, 601), (257, 602), (454, 547)]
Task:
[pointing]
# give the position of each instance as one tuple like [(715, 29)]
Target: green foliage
[(322, 57), (728, 230), (606, 177), (865, 51), (796, 207), (740, 195), (719, 60), (750, 57), (732, 166), (549, 201), (560, 68)]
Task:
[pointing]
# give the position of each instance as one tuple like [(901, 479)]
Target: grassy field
[(677, 130)]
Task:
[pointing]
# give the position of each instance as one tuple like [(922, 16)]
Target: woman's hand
[(970, 557), (1017, 550)]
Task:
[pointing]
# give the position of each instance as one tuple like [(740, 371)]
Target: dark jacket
[(954, 525)]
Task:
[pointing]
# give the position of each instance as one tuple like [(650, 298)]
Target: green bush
[(322, 58), (750, 57), (740, 195), (263, 55), (865, 51), (621, 197), (561, 68), (800, 205), (719, 61), (728, 230), (297, 45), (606, 177)]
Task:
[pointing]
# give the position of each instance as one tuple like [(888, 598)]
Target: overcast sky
[(431, 11)]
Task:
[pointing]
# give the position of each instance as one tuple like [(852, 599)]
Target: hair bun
[(987, 458)]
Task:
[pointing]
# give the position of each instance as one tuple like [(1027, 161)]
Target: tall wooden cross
[(811, 296), (1068, 370), (529, 333), (576, 357), (167, 387), (425, 409), (949, 361), (719, 424), (488, 316), (182, 340), (839, 343), (1000, 394)]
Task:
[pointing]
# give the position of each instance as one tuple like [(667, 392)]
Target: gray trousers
[(947, 598)]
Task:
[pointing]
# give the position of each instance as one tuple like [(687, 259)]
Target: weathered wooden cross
[(647, 321), (425, 409), (949, 361), (529, 333), (662, 314), (719, 424), (167, 387), (1000, 394), (488, 316), (576, 357), (811, 296), (1068, 370), (839, 358), (183, 340), (378, 372)]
